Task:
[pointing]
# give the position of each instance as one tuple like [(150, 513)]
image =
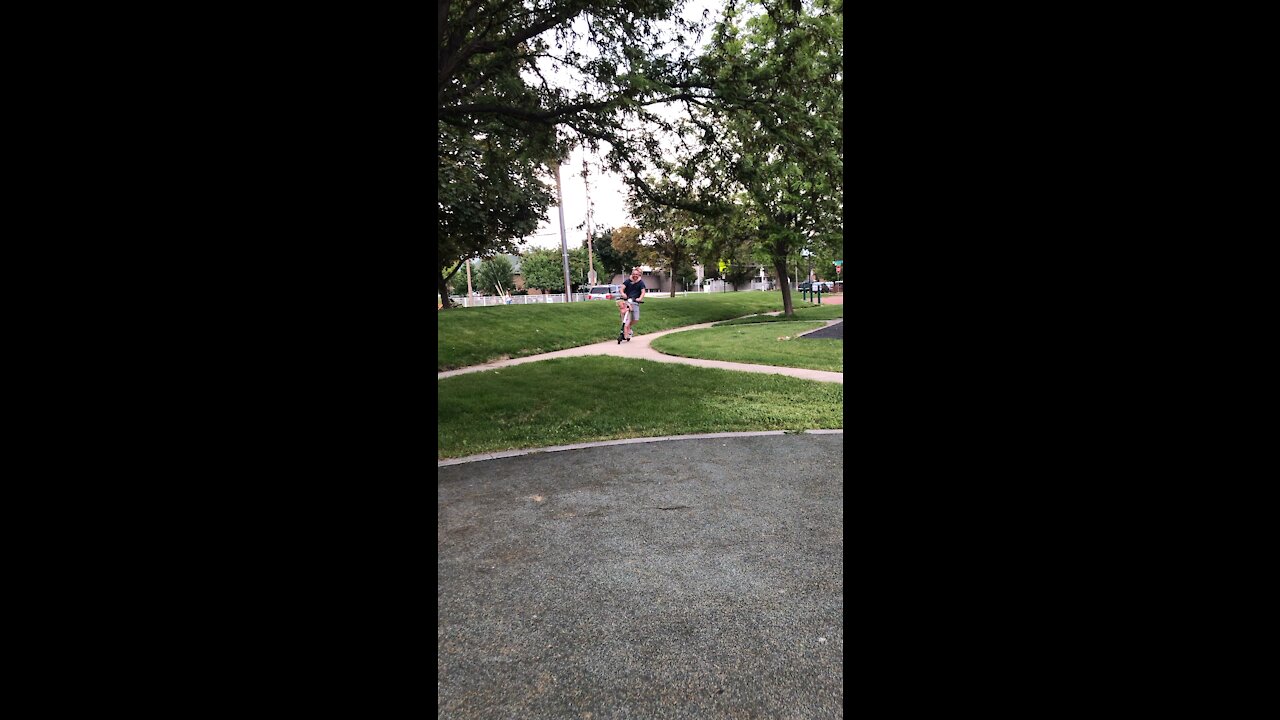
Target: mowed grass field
[(758, 344), (472, 336), (569, 400)]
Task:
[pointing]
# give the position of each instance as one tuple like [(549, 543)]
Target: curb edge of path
[(627, 441)]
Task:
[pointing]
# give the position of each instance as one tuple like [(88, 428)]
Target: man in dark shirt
[(633, 287)]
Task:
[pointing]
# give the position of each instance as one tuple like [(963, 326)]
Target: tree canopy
[(745, 132), (490, 196), (666, 233), (501, 120), (779, 79), (496, 272), (608, 259), (544, 269)]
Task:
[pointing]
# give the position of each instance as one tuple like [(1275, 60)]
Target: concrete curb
[(628, 441)]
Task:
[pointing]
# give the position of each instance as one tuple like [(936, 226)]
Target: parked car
[(604, 292), (819, 285)]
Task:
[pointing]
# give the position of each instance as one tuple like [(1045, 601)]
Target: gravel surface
[(679, 579)]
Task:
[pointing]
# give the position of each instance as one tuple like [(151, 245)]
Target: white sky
[(608, 199), (608, 193)]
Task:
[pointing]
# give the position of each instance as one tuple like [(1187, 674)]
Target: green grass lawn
[(759, 344), (569, 400), (803, 312), (471, 336)]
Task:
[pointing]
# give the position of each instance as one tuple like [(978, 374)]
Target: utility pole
[(468, 302), (564, 242), (586, 183)]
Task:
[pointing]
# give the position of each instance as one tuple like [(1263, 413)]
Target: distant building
[(653, 281)]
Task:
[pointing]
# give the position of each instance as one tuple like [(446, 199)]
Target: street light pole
[(468, 302), (591, 263), (564, 242)]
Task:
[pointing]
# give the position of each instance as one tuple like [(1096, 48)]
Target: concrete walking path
[(639, 348)]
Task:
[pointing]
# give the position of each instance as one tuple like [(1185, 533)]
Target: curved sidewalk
[(639, 348)]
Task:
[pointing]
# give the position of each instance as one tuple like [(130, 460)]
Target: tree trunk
[(443, 285), (780, 264), (444, 293)]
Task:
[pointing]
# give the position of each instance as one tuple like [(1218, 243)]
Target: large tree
[(777, 71), (544, 269), (495, 273), (608, 259), (490, 195), (626, 242), (500, 118), (729, 240), (666, 232)]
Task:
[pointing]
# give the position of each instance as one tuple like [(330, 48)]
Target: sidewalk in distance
[(638, 347)]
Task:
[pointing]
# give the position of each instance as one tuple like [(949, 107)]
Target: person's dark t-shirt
[(632, 288)]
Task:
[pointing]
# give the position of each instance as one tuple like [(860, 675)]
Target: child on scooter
[(624, 314)]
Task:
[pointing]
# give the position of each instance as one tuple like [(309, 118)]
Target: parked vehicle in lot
[(604, 292), (819, 285)]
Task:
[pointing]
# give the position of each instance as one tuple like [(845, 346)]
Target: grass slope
[(471, 336), (568, 400), (760, 344)]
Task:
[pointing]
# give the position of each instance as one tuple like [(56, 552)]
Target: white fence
[(487, 300), (714, 286)]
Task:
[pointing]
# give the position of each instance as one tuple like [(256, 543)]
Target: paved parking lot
[(677, 579)]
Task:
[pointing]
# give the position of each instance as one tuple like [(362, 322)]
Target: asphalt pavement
[(834, 331), (691, 578)]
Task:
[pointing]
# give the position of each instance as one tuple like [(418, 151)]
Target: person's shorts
[(635, 312)]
